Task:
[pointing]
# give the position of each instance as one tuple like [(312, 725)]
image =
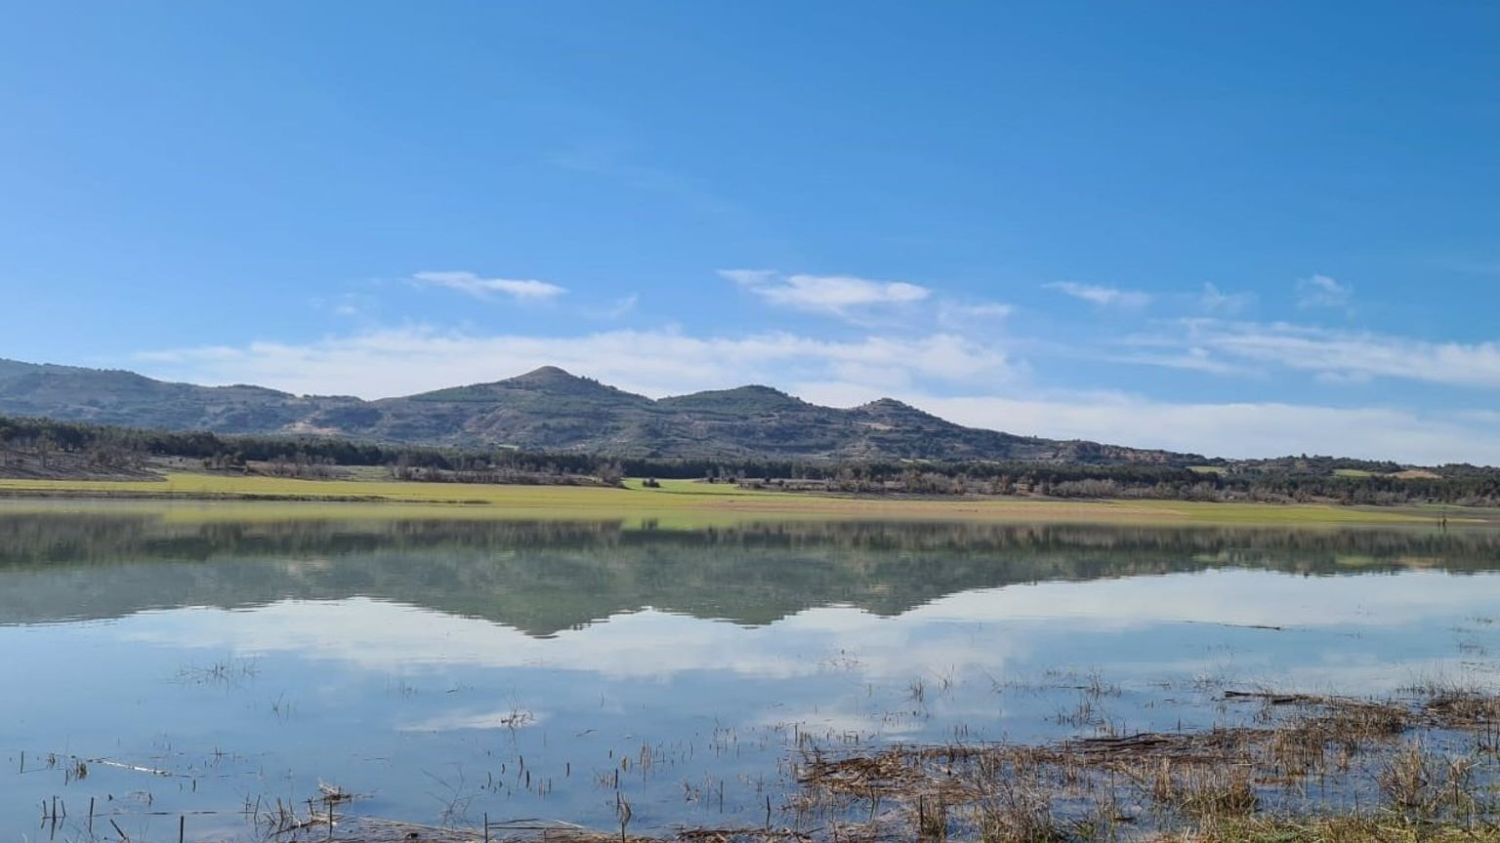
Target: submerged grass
[(1308, 769), (691, 503), (1313, 770), (1317, 769)]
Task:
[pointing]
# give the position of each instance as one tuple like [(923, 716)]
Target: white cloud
[(1232, 429), (1216, 301), (972, 314), (949, 374), (347, 305), (1345, 356), (1101, 296), (749, 277), (1249, 429), (1332, 356), (1192, 359), (844, 296), (407, 360), (1322, 291), (474, 285)]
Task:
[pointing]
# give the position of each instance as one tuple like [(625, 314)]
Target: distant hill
[(546, 410)]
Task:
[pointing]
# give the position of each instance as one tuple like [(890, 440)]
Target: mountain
[(125, 398), (544, 410)]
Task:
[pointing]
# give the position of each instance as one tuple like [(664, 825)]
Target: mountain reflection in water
[(542, 577), (445, 666)]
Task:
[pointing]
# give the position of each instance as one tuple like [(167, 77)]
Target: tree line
[(108, 449)]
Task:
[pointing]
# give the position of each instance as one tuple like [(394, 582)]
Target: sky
[(1238, 229)]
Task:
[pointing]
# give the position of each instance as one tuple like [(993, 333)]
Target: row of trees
[(112, 449), (1463, 485), (37, 448)]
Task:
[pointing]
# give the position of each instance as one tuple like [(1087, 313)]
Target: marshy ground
[(1304, 768), (1283, 767), (1320, 769)]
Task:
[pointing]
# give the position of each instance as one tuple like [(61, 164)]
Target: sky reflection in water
[(449, 670)]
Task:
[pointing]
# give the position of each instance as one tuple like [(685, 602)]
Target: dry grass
[(1463, 708), (1335, 830), (1214, 785)]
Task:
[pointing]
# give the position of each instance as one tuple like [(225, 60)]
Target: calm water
[(446, 669)]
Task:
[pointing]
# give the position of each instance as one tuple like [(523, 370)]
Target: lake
[(190, 665)]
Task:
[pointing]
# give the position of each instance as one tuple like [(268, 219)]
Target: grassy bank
[(1341, 830), (1331, 830), (692, 502)]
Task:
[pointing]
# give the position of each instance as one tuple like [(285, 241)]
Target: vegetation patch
[(699, 503), (1315, 769), (43, 449)]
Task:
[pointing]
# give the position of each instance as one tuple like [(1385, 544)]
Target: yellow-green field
[(680, 502)]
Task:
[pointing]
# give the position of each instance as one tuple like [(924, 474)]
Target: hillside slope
[(544, 410)]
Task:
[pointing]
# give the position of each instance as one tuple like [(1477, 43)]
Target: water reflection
[(442, 667), (550, 576)]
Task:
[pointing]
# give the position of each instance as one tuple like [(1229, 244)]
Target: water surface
[(195, 662)]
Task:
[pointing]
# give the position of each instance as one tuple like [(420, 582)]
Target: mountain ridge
[(546, 409)]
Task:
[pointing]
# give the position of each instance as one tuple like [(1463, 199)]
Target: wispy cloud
[(966, 313), (1322, 291), (957, 378), (1101, 296), (349, 305), (1469, 265), (1230, 429), (406, 360), (845, 296), (1192, 359), (1367, 355), (1240, 429), (1332, 355), (1216, 301), (615, 309), (480, 287)]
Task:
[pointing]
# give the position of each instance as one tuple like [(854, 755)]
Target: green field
[(685, 502)]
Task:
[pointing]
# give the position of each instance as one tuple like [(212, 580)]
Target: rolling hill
[(545, 410)]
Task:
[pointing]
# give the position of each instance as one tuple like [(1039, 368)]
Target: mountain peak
[(543, 376), (745, 399), (762, 389), (539, 384), (887, 404), (890, 407)]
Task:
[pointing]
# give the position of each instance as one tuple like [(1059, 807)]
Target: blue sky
[(1241, 229)]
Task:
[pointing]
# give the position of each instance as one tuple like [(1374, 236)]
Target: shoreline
[(683, 500)]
